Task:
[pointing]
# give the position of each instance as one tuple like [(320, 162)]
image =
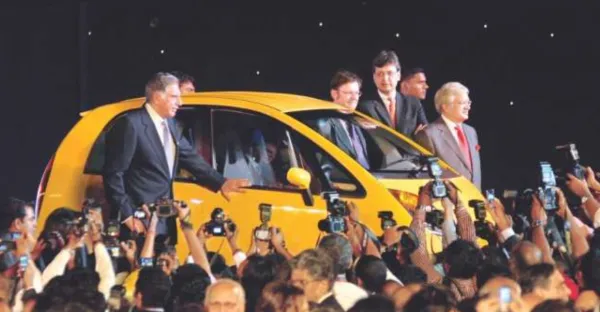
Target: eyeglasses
[(388, 73), (349, 93)]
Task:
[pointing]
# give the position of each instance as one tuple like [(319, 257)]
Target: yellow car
[(272, 140)]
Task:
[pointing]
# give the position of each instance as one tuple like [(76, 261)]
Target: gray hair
[(317, 262), (339, 249), (447, 93), (237, 290), (159, 83)]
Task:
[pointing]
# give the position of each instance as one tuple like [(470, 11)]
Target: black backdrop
[(540, 55)]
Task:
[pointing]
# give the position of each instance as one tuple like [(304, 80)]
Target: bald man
[(525, 255), (225, 295), (492, 298)]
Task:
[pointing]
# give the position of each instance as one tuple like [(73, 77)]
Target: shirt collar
[(156, 118), (383, 96), (325, 296), (451, 124)]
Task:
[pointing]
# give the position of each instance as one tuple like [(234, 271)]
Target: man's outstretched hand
[(233, 186)]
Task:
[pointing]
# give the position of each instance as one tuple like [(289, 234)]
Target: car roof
[(282, 102)]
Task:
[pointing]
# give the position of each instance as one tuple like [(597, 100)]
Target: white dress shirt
[(158, 123), (452, 126)]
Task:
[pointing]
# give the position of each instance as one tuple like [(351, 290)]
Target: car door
[(246, 145)]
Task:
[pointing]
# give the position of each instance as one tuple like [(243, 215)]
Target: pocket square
[(477, 147)]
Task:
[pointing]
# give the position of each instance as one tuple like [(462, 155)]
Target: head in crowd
[(588, 275), (554, 306), (373, 303), (339, 249), (524, 255), (432, 297), (313, 272), (258, 272), (545, 281), (493, 286), (152, 288), (225, 295), (452, 101), (386, 71), (414, 83), (163, 94), (189, 285), (66, 290), (280, 296), (489, 271), (371, 273), (462, 259), (345, 89), (18, 217), (187, 83), (402, 295)]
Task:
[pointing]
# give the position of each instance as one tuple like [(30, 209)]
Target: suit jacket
[(330, 302), (438, 139), (334, 131), (409, 112), (136, 171)]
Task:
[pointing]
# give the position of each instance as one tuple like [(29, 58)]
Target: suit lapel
[(175, 134), (152, 134), (446, 133), (399, 108), (341, 137)]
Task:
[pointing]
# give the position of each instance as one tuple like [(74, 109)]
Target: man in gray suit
[(448, 137)]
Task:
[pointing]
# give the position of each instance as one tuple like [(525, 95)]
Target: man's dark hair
[(15, 209), (259, 271), (411, 72), (554, 306), (342, 77), (589, 264), (373, 303), (463, 259), (340, 250), (489, 271), (537, 275), (317, 263), (183, 77), (189, 278), (372, 271), (386, 57), (154, 285), (432, 297)]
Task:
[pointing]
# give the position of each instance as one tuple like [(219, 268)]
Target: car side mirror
[(300, 178)]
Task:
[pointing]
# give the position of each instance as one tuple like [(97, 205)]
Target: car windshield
[(388, 155)]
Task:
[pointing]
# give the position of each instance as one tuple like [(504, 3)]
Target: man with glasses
[(313, 271), (345, 91), (449, 138), (403, 113)]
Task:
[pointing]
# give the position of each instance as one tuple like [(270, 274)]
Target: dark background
[(50, 68)]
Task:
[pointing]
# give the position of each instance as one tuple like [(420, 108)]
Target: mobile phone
[(505, 296), (490, 195), (146, 262)]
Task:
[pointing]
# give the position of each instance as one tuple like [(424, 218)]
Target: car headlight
[(406, 199)]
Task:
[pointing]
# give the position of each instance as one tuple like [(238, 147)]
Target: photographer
[(587, 190)]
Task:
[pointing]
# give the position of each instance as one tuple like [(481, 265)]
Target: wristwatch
[(537, 223)]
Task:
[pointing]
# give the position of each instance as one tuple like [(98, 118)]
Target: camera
[(262, 232), (482, 228), (146, 262), (438, 188), (568, 161), (546, 190), (79, 226), (112, 239), (218, 222), (434, 217), (164, 208), (387, 219), (336, 211), (490, 196)]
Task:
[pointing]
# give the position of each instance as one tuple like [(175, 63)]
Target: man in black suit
[(403, 113), (143, 152), (345, 91)]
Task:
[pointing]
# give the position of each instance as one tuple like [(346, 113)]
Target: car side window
[(193, 123), (253, 147)]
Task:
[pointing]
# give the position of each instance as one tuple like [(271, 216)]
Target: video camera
[(434, 217), (438, 188), (336, 211), (164, 208), (262, 231), (387, 219), (218, 222)]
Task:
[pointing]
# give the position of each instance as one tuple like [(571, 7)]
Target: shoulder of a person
[(410, 99)]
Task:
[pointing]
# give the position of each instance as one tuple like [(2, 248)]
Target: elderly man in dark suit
[(404, 113), (143, 152), (449, 137)]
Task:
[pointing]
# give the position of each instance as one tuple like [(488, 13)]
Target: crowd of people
[(540, 253)]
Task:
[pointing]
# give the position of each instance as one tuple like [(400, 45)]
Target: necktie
[(464, 146), (391, 107), (169, 153), (358, 148)]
